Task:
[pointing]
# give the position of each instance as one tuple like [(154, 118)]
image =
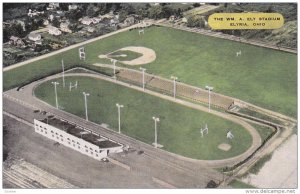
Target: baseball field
[(178, 129), (261, 76)]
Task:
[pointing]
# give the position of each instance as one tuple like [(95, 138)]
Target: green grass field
[(178, 129), (261, 76)]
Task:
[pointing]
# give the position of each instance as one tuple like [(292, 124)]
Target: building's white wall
[(70, 141)]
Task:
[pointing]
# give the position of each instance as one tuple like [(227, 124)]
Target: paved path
[(283, 166)]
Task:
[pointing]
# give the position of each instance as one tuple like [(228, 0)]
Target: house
[(52, 6), (129, 21), (90, 29), (184, 20), (172, 18), (114, 22), (96, 20), (34, 13), (34, 37), (46, 22), (72, 7), (64, 26), (86, 21), (16, 41), (54, 31)]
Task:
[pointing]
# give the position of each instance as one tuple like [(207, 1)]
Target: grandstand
[(182, 90)]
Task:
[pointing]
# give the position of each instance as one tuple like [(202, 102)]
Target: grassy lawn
[(259, 164), (240, 185), (263, 131), (130, 55), (178, 129), (261, 76)]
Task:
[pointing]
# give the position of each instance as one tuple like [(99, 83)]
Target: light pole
[(63, 72), (209, 88), (114, 63), (143, 70), (56, 102), (174, 81), (85, 103), (156, 119), (119, 115)]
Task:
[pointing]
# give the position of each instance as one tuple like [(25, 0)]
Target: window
[(78, 147), (78, 143), (45, 132), (57, 137), (52, 135), (91, 148), (96, 155), (68, 139), (45, 128), (56, 133), (96, 151), (92, 153), (85, 146), (52, 131), (41, 130), (37, 129), (61, 136), (73, 145), (86, 150), (61, 139), (69, 143), (73, 141)]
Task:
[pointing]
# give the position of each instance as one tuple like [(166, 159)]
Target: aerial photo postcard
[(150, 95)]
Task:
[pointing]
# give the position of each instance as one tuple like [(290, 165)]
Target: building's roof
[(81, 133), (34, 36)]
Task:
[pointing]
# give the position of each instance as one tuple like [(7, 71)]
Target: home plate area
[(224, 146)]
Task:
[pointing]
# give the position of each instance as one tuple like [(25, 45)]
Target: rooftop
[(79, 132)]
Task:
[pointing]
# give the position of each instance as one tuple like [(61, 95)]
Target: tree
[(91, 10), (64, 6), (55, 22), (155, 12), (122, 15), (196, 21)]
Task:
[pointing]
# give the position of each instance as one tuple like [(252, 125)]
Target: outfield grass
[(261, 76), (178, 129)]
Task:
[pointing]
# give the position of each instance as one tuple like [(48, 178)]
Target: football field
[(178, 129)]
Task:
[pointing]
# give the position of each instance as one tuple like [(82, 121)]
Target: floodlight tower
[(209, 88), (119, 115), (63, 72), (143, 70), (56, 102), (156, 119), (114, 63), (85, 103), (174, 89)]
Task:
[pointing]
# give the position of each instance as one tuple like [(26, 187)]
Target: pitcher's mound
[(224, 146)]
